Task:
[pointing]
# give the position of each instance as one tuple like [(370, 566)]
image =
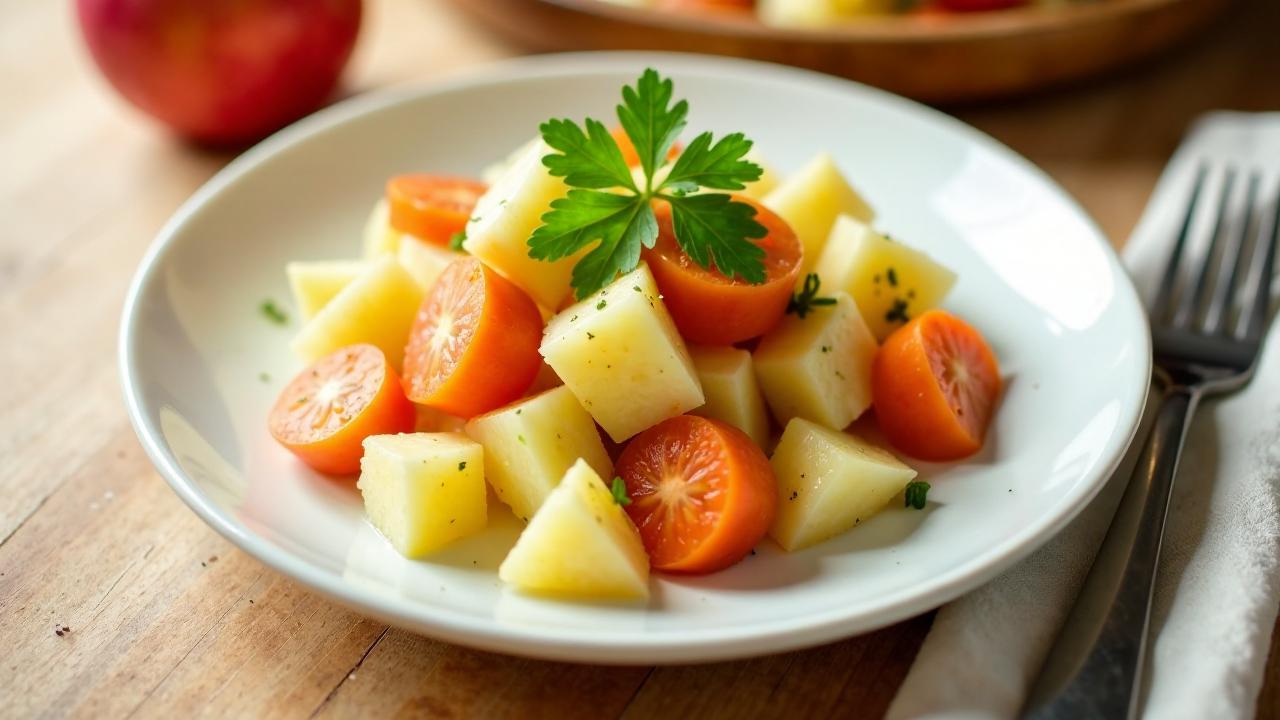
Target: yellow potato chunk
[(811, 199), (423, 490), (315, 283), (506, 216), (424, 261), (818, 367), (889, 281), (619, 352), (818, 13), (580, 543), (378, 307), (828, 482), (732, 391), (379, 237), (530, 444)]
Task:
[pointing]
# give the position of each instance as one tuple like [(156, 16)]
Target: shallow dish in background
[(962, 56), (201, 366)]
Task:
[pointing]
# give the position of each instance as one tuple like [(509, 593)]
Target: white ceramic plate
[(1035, 275)]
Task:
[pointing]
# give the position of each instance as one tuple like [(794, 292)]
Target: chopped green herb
[(590, 335), (898, 312), (264, 377), (636, 288), (462, 466), (807, 299), (273, 312), (619, 491), (456, 240), (521, 439), (519, 410), (601, 305), (916, 494), (892, 276), (826, 348), (605, 206)]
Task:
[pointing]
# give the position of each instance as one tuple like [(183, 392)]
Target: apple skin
[(222, 72)]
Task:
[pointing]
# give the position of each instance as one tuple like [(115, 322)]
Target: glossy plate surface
[(1035, 275)]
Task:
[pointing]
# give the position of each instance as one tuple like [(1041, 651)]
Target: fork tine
[(1194, 297), (1235, 257), (1161, 306), (1260, 308)]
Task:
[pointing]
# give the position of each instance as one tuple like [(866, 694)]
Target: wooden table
[(166, 618)]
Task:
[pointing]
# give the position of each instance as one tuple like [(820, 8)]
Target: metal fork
[(1207, 324)]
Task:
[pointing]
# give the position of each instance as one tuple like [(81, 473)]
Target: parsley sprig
[(916, 494), (606, 206), (803, 302), (619, 491)]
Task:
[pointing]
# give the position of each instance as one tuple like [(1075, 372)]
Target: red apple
[(222, 71)]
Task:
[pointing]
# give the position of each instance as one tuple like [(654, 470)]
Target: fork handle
[(1107, 682)]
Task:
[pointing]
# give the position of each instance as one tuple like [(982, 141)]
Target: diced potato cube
[(579, 543), (506, 216), (424, 261), (423, 490), (818, 367), (621, 355), (732, 391), (889, 282), (811, 199), (378, 308), (530, 444), (828, 482), (818, 13), (379, 237), (315, 283)]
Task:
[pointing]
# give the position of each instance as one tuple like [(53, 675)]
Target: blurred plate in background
[(935, 58)]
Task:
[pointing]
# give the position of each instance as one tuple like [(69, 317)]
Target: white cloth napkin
[(1219, 578)]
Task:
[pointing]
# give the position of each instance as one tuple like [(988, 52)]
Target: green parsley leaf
[(916, 494), (621, 224), (272, 312), (712, 229), (803, 302), (456, 240), (619, 491), (650, 120), (586, 160), (719, 166)]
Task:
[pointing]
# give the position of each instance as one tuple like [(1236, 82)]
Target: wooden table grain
[(164, 617)]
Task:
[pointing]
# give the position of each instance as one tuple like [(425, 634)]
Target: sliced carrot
[(934, 385), (702, 494), (474, 344), (628, 148), (325, 413), (432, 207), (712, 309)]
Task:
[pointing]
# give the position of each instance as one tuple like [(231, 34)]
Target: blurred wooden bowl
[(935, 58)]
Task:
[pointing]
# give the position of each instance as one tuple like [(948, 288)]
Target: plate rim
[(567, 644)]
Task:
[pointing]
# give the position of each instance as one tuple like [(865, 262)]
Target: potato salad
[(646, 344)]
